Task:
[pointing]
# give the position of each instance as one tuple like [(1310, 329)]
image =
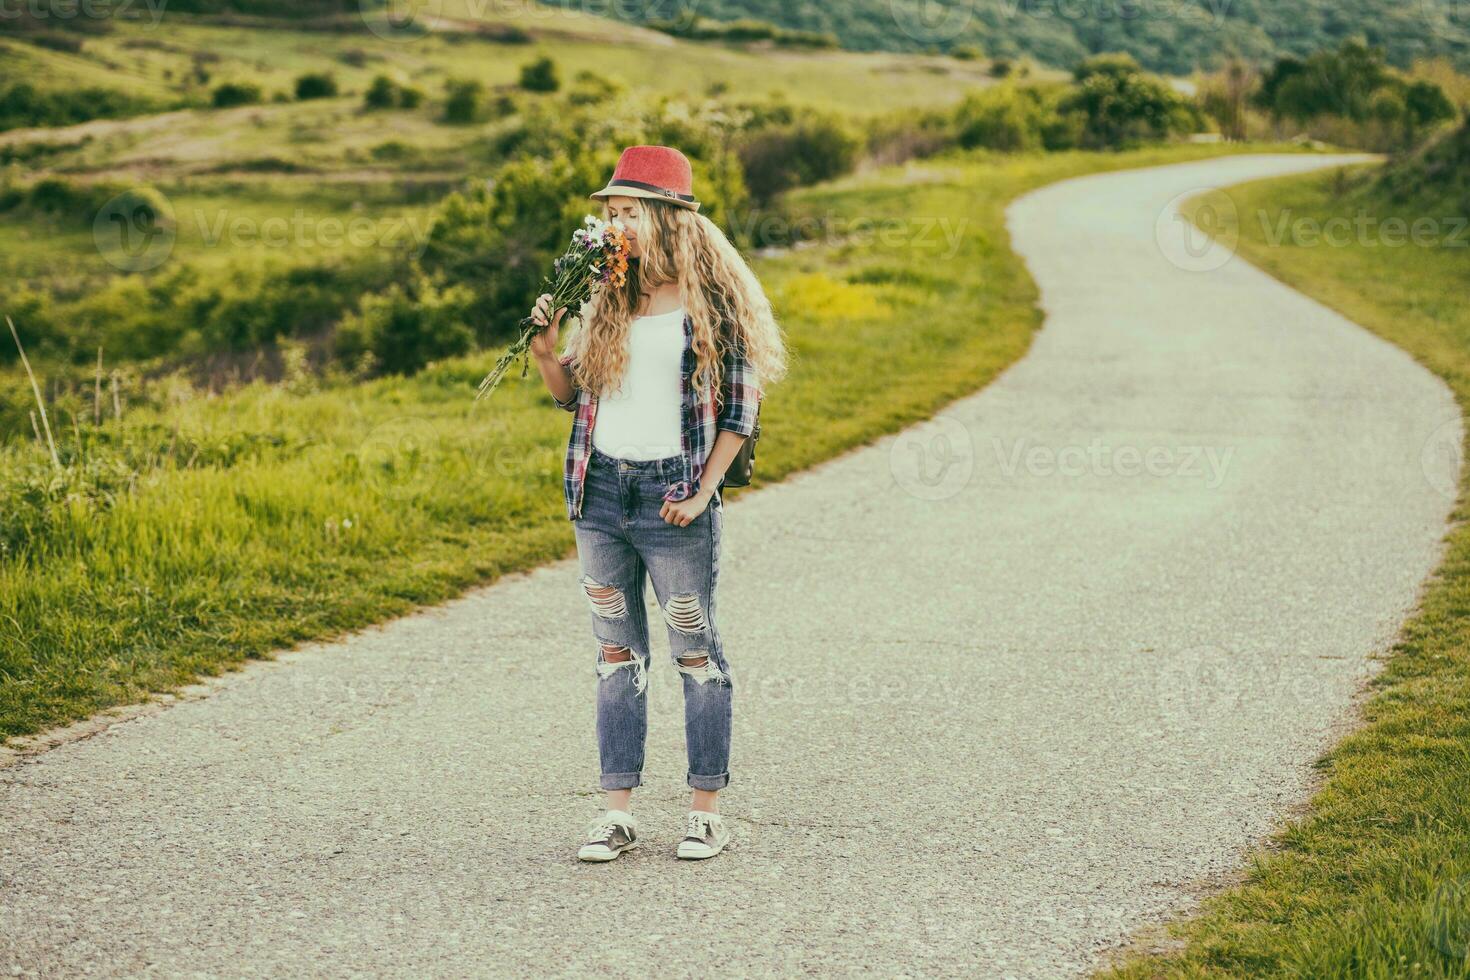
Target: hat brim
[(640, 192)]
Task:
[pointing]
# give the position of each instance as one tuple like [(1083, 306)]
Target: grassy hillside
[(1375, 880), (1167, 37)]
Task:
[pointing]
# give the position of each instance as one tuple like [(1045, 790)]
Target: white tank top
[(643, 418)]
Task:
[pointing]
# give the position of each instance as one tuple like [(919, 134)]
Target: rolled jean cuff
[(621, 780), (709, 782)]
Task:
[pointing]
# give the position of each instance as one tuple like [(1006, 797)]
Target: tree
[(1122, 105), (315, 86), (463, 104), (1425, 104), (236, 93), (1226, 98), (540, 76), (1004, 118), (381, 94)]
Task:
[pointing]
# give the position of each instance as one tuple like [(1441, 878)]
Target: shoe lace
[(601, 829), (697, 825)]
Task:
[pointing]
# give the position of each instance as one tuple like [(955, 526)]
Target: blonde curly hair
[(718, 290)]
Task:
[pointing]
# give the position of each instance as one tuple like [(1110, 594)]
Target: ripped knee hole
[(684, 613), (607, 600), (616, 654)]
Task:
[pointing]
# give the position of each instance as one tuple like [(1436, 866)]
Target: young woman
[(665, 377)]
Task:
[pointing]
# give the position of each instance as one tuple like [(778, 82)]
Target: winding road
[(1010, 684)]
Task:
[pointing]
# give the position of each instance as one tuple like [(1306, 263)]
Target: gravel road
[(1010, 684)]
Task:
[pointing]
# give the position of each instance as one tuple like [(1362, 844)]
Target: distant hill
[(1173, 36)]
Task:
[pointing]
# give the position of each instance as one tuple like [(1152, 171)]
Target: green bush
[(315, 86), (908, 134), (1354, 94), (811, 147), (462, 105), (1004, 118), (406, 329), (235, 93), (385, 93), (540, 76), (381, 94), (1123, 107), (590, 88), (22, 104)]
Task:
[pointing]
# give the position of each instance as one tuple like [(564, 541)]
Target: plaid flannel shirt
[(702, 422)]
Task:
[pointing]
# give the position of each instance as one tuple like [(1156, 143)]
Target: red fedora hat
[(660, 173)]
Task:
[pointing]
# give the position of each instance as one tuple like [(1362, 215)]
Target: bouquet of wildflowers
[(598, 257)]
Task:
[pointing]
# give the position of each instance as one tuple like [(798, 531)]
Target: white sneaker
[(705, 835), (609, 835)]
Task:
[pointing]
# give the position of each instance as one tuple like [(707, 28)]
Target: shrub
[(315, 86), (381, 94), (22, 104), (236, 93), (1004, 118), (56, 41), (463, 104), (811, 148), (590, 88), (1122, 106), (1352, 94), (540, 76), (405, 329)]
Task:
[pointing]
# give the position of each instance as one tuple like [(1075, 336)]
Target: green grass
[(218, 224), (230, 527), (1375, 880)]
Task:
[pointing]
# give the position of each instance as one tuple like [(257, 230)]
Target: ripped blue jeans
[(621, 540)]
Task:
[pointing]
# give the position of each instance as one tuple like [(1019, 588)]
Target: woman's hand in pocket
[(685, 512)]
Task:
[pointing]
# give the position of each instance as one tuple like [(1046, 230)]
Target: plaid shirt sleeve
[(570, 406), (741, 393)]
